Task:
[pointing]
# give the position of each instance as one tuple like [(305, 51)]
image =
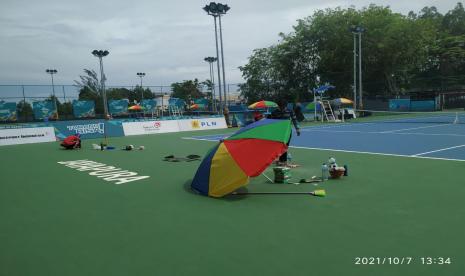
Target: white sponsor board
[(150, 127), (202, 124), (26, 135)]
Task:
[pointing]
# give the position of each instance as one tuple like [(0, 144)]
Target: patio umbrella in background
[(263, 105), (246, 153), (136, 108), (341, 101), (197, 106)]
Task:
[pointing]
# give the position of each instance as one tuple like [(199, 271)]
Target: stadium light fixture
[(100, 54)]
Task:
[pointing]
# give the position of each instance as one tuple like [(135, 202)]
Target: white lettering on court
[(107, 173)]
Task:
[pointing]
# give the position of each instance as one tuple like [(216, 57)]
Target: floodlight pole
[(222, 60), (216, 10), (218, 64), (141, 75), (100, 54), (360, 101), (357, 30), (51, 72), (210, 60), (355, 71)]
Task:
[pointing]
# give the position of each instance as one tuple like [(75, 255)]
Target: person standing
[(283, 113)]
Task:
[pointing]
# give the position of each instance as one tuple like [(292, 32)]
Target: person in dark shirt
[(298, 112), (283, 113)]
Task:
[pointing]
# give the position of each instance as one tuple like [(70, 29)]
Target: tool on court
[(319, 193), (189, 158)]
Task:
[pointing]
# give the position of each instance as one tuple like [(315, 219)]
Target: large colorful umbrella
[(263, 105), (247, 153), (135, 107), (340, 101)]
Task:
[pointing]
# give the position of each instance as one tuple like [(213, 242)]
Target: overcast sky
[(167, 40)]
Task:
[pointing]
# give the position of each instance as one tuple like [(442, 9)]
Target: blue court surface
[(418, 140)]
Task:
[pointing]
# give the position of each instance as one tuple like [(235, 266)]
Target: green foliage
[(90, 90), (187, 90), (400, 53), (24, 110)]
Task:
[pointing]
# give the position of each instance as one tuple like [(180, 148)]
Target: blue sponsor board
[(148, 105), (422, 105), (177, 102), (399, 104), (118, 107), (88, 129), (44, 110), (84, 109), (7, 111)]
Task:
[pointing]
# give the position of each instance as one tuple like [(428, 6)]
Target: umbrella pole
[(320, 193)]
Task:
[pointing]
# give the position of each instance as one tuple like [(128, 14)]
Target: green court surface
[(55, 220)]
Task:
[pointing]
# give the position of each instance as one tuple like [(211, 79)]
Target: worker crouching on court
[(283, 113), (72, 142)]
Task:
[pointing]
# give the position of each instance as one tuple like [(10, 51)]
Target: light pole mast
[(52, 72), (357, 30), (222, 9), (210, 60), (216, 10), (100, 54), (141, 75), (360, 101)]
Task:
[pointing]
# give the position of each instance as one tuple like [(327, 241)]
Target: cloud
[(166, 39)]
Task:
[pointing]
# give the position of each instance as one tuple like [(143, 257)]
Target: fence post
[(24, 103)]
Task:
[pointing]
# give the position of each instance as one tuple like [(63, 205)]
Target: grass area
[(59, 221)]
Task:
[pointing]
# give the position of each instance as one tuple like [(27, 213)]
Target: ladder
[(328, 111), (174, 111)]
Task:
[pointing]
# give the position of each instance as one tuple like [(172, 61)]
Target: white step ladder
[(174, 111), (328, 111)]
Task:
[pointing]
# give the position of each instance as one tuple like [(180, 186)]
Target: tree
[(187, 90), (24, 110), (90, 89), (400, 53)]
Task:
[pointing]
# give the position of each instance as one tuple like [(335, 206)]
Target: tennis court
[(436, 137), (57, 220)]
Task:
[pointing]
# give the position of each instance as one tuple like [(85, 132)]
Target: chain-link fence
[(22, 103)]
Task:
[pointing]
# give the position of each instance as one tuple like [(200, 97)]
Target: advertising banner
[(149, 105), (150, 127), (202, 124), (44, 110), (118, 107), (88, 128), (422, 105), (7, 111), (399, 104), (17, 136), (84, 109)]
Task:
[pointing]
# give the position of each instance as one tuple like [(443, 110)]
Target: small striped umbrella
[(197, 106), (135, 107), (263, 105), (340, 101)]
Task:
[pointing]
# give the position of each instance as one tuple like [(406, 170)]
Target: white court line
[(379, 153), (361, 152), (200, 139), (423, 153), (402, 129), (382, 132)]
